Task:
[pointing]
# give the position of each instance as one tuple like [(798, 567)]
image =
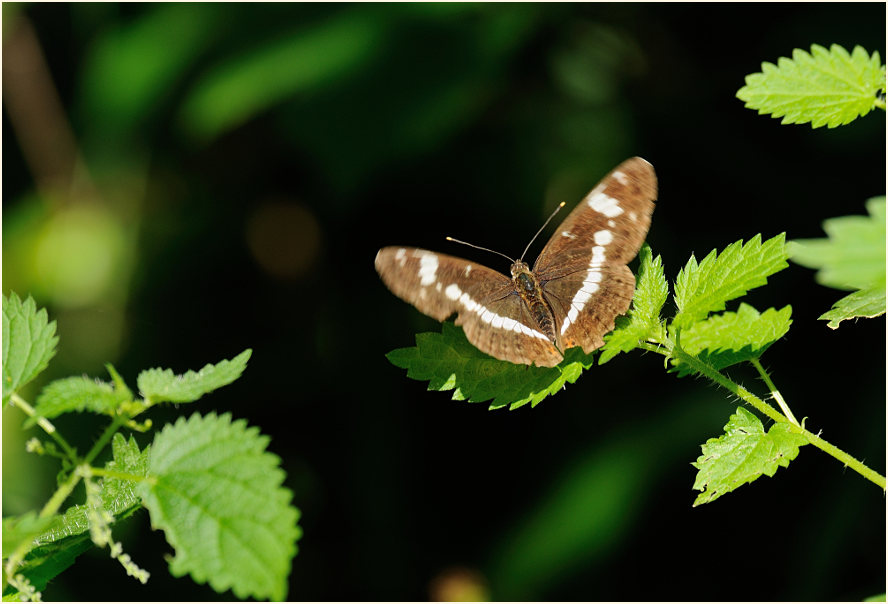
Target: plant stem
[(775, 393), (717, 377), (47, 426), (104, 438)]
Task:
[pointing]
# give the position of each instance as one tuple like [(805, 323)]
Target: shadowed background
[(183, 181)]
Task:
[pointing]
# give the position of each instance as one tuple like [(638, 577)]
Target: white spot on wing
[(611, 223), (568, 234), (401, 256), (620, 177), (603, 204), (468, 269), (603, 237), (591, 282), (428, 268), (453, 292)]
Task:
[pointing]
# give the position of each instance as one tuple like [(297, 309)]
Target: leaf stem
[(47, 426), (774, 392), (828, 448)]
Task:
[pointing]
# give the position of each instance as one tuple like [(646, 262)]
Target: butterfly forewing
[(492, 316), (583, 269)]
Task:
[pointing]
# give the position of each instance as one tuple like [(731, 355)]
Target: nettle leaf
[(216, 493), (826, 87), (162, 385), (867, 303), (119, 497), (29, 342), (449, 362), (742, 454), (705, 287), (18, 529), (643, 320), (45, 562), (733, 337), (851, 257), (78, 394)]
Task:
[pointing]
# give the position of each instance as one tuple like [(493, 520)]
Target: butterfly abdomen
[(531, 294)]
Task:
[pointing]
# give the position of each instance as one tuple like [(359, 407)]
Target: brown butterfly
[(578, 286)]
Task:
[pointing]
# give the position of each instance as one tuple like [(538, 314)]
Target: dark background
[(240, 165)]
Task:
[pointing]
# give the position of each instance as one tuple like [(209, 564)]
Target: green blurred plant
[(207, 482)]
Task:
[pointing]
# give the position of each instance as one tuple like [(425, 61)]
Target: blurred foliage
[(230, 171)]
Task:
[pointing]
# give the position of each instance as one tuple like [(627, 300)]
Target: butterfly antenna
[(486, 249), (548, 220)]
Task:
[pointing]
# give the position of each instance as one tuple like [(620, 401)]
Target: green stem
[(104, 438), (764, 408), (47, 426), (880, 103), (775, 393)]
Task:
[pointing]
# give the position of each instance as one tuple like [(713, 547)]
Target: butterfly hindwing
[(492, 316)]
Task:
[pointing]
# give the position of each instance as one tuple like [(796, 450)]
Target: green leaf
[(29, 341), (867, 303), (827, 87), (216, 493), (643, 319), (78, 394), (742, 454), (159, 385), (18, 529), (45, 562), (449, 362), (305, 59), (732, 337), (704, 288), (852, 257), (118, 496), (878, 598)]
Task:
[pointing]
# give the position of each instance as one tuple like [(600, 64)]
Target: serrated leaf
[(77, 394), (742, 454), (18, 529), (118, 496), (29, 342), (217, 495), (704, 288), (643, 319), (866, 303), (826, 87), (733, 337), (45, 562), (162, 385), (851, 257), (449, 362)]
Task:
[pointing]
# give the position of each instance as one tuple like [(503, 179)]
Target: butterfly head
[(519, 267)]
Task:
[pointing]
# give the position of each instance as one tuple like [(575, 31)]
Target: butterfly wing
[(583, 269), (491, 313)]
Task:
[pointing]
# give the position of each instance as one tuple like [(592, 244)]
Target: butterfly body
[(579, 283), (528, 288)]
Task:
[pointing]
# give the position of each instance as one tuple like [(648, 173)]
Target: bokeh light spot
[(284, 238)]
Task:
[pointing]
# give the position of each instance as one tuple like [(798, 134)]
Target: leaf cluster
[(208, 482)]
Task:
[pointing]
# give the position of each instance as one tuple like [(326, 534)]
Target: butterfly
[(577, 288)]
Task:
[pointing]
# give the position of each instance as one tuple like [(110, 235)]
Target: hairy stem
[(717, 377), (775, 393), (47, 426)]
